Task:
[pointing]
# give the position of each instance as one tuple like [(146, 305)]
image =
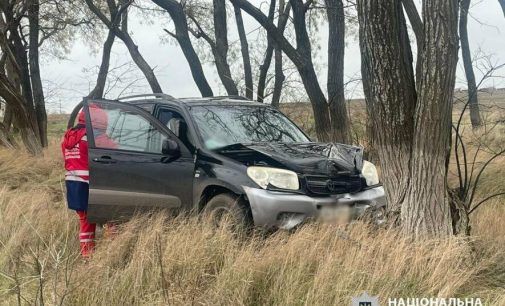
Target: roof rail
[(155, 95), (236, 97)]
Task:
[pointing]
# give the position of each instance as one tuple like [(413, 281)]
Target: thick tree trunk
[(388, 81), (176, 11), (244, 45), (37, 89), (473, 102), (220, 48), (427, 212), (130, 44), (262, 80), (335, 84)]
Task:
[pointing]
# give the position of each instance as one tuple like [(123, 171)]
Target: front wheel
[(228, 209)]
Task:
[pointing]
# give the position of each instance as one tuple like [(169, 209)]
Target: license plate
[(340, 214)]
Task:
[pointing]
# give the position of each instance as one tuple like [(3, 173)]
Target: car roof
[(147, 100)]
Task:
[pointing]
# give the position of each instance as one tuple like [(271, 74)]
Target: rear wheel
[(228, 210)]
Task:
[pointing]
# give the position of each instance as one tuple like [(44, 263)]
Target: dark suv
[(220, 156)]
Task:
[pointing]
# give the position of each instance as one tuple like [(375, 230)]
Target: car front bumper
[(273, 209)]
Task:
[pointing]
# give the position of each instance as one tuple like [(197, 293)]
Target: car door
[(128, 171)]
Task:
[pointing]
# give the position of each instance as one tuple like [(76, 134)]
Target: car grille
[(324, 185)]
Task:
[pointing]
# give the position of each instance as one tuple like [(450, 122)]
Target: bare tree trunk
[(23, 122), (17, 68), (124, 15), (467, 63), (6, 139), (388, 81), (427, 212), (268, 57), (301, 57), (271, 46), (176, 11), (140, 61), (335, 84), (279, 72), (128, 41), (308, 73), (98, 90), (221, 47), (8, 116), (279, 79), (37, 89), (245, 53)]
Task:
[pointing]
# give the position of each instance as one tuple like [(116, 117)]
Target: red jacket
[(75, 152)]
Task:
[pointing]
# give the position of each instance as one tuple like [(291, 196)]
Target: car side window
[(176, 123), (116, 127)]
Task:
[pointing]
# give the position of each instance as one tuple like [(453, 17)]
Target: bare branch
[(485, 200)]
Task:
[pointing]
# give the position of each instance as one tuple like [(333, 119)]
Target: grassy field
[(185, 261)]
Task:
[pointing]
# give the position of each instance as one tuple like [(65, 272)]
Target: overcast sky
[(68, 80)]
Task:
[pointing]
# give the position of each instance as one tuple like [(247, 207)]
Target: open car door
[(136, 164)]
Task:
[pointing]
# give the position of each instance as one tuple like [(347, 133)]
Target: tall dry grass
[(159, 261)]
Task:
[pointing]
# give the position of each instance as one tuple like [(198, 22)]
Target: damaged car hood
[(309, 158)]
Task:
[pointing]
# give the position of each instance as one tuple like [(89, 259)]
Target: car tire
[(227, 207)]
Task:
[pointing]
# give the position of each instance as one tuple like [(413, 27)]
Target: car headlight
[(370, 173), (280, 178)]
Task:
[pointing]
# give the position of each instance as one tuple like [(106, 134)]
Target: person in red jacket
[(75, 153)]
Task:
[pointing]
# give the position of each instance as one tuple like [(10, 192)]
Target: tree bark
[(388, 81), (301, 58), (37, 89), (473, 102), (130, 44), (335, 82), (244, 45), (8, 116), (176, 12), (427, 212), (221, 47), (6, 139)]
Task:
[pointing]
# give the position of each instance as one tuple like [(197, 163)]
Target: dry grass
[(160, 261)]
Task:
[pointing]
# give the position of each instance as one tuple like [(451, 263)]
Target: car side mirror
[(170, 147)]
